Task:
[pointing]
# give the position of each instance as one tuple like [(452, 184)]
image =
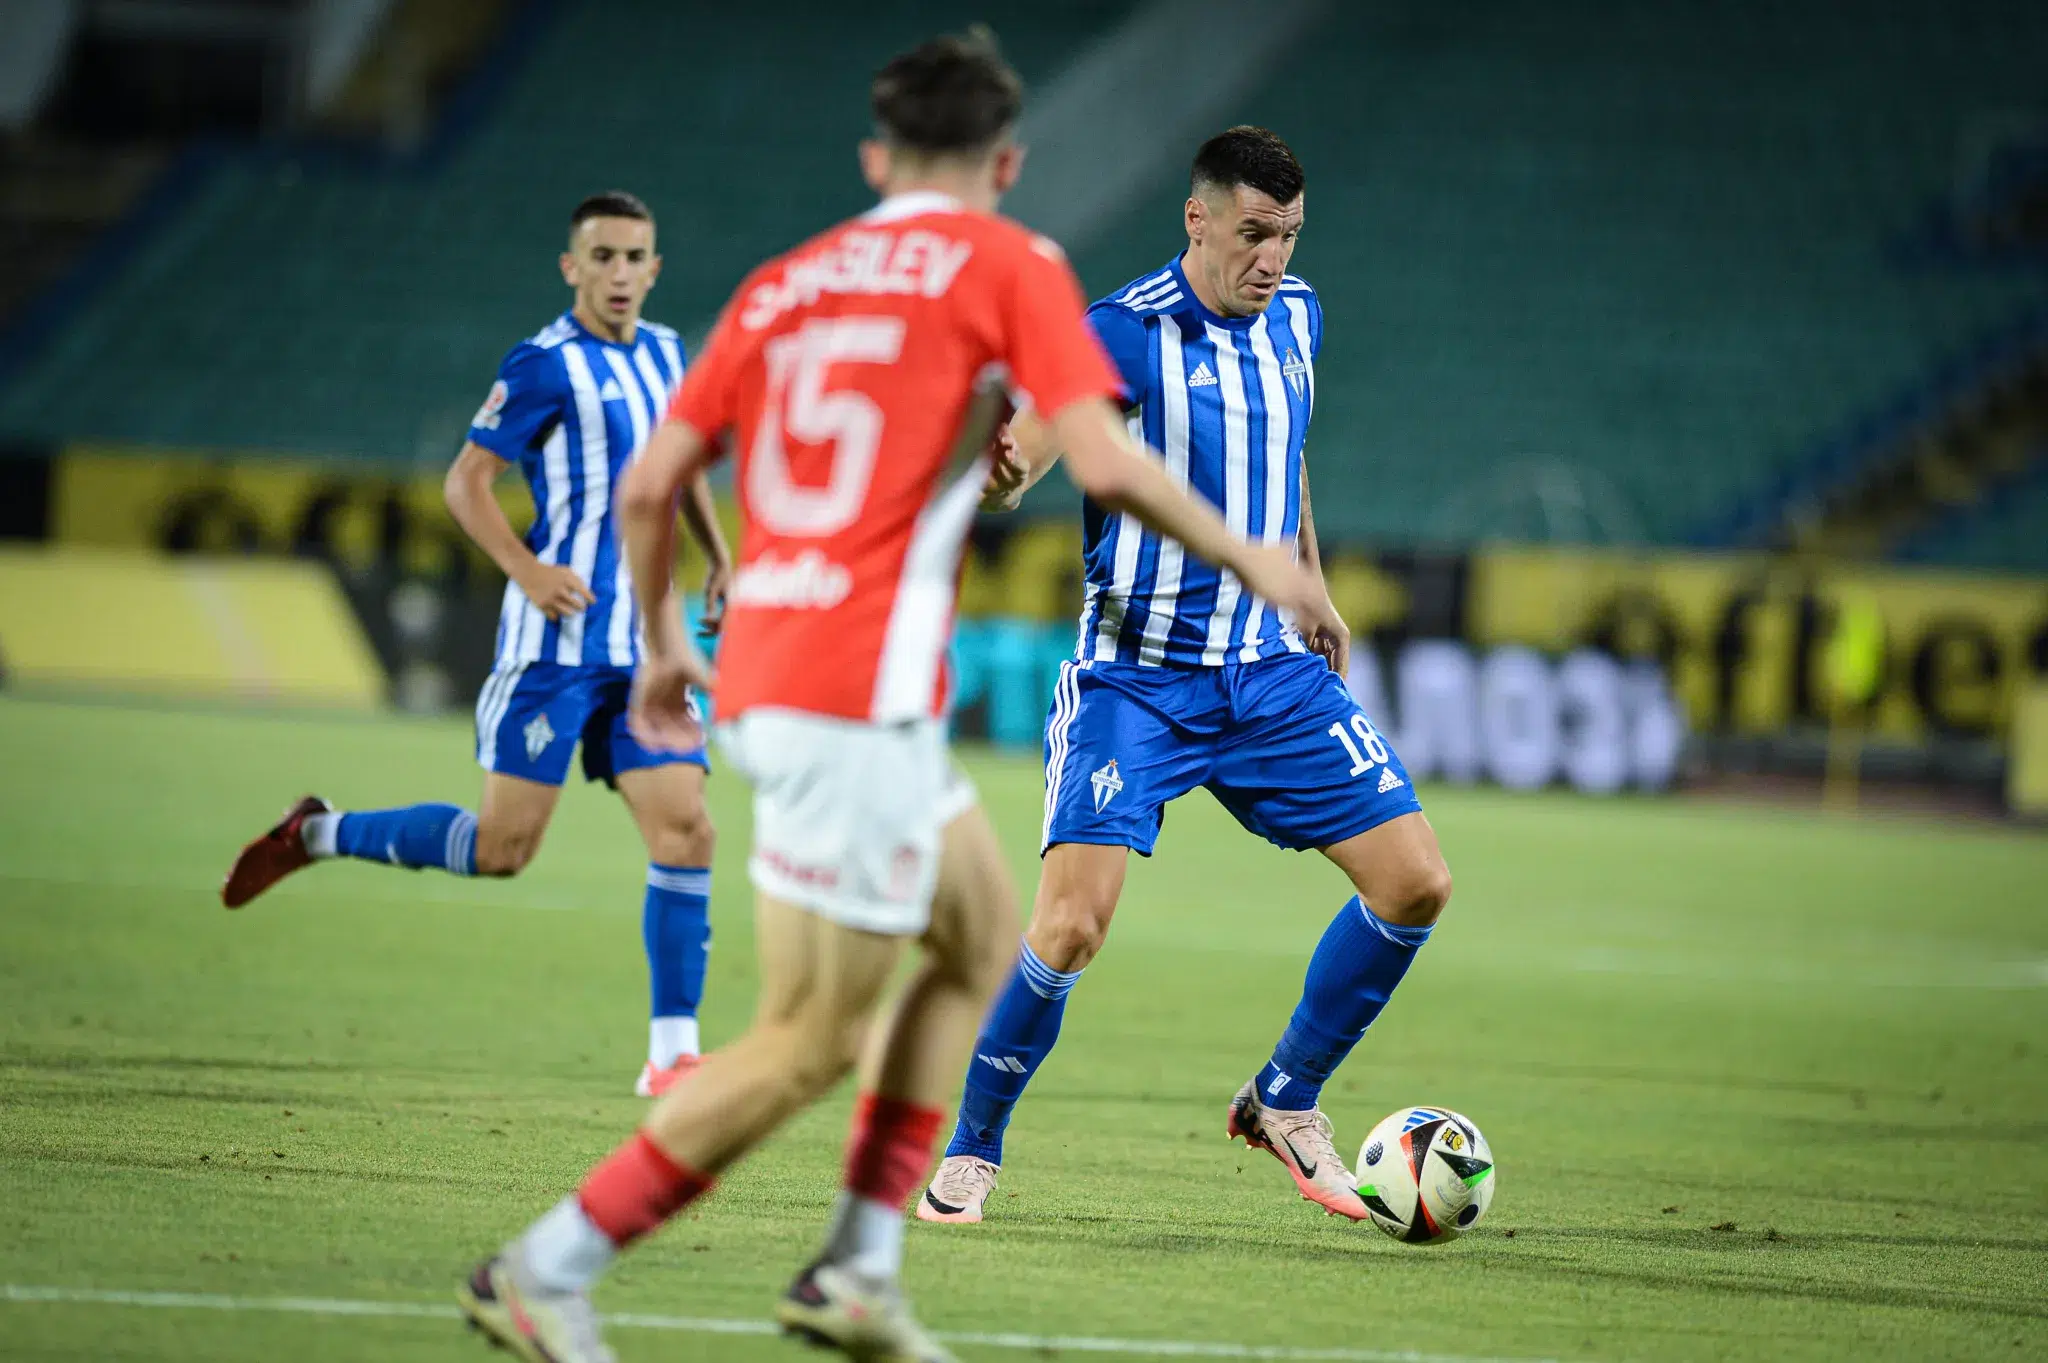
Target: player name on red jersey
[(865, 262)]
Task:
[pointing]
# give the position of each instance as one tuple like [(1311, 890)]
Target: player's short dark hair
[(613, 203), (954, 95), (1253, 157)]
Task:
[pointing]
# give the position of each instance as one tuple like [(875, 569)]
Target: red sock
[(891, 1148), (635, 1188)]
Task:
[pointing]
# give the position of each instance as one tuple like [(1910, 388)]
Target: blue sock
[(675, 923), (1353, 972), (1014, 1042), (417, 836)]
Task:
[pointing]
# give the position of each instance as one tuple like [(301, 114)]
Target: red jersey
[(858, 379)]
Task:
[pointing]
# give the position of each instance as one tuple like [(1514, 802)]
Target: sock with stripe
[(1016, 1039), (417, 836), (887, 1158), (675, 924), (632, 1191), (1356, 965)]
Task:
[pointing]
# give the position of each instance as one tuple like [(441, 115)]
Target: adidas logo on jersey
[(1203, 377), (611, 392), (1389, 781)]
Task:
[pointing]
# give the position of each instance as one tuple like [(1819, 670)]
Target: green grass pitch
[(1762, 1084)]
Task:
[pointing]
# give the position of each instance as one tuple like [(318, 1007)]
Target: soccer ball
[(1425, 1175)]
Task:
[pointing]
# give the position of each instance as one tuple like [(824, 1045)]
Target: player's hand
[(1326, 633), (557, 591), (1007, 472), (717, 588), (660, 714), (1270, 571)]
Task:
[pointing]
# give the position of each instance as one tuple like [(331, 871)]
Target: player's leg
[(847, 837), (911, 1065), (1306, 768), (1121, 741), (528, 716), (1078, 885), (665, 793), (1402, 886), (819, 985), (913, 1062)]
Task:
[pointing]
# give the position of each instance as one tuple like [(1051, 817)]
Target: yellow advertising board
[(118, 498), (1746, 637), (1753, 643), (132, 622)]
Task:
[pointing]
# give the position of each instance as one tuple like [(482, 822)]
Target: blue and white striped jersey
[(572, 410), (1226, 401)]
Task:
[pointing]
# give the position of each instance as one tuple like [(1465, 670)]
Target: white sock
[(565, 1251), (867, 1237), (317, 833), (669, 1040)]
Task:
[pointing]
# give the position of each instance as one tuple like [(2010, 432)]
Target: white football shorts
[(847, 814)]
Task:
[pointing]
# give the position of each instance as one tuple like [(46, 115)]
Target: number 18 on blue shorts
[(1280, 743)]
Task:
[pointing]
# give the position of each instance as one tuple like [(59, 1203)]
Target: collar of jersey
[(1201, 309), (910, 205), (587, 334)]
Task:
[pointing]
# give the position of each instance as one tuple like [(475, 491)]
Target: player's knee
[(1068, 929), (983, 959), (978, 943), (1419, 896), (505, 851), (683, 837), (817, 1053)]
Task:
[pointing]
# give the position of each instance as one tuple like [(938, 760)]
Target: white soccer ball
[(1426, 1175)]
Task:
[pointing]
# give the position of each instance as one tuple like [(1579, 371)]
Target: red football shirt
[(858, 379)]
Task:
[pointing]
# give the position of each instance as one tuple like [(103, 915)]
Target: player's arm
[(1108, 465), (676, 456), (1331, 637), (1023, 453), (700, 518), (556, 590), (1027, 449)]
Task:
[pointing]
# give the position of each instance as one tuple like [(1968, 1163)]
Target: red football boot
[(273, 856)]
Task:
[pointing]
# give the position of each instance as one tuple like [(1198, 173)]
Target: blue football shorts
[(530, 718), (1279, 742)]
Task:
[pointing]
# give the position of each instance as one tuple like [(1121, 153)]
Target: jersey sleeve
[(1053, 355), (708, 398), (1122, 334), (525, 404), (1315, 326)]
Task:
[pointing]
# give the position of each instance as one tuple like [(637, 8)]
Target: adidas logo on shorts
[(1389, 781)]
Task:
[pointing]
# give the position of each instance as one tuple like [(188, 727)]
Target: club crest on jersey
[(1203, 377), (1296, 371), (539, 734), (487, 415), (1107, 783)]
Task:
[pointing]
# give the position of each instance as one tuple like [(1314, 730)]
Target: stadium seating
[(1583, 282), (312, 303), (1569, 258)]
